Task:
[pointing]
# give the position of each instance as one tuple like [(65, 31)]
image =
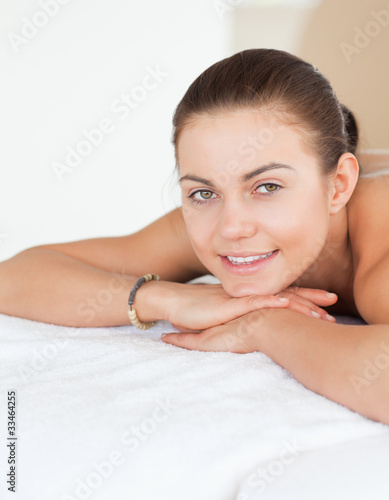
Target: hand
[(248, 333), (241, 335), (303, 300), (306, 301), (195, 307)]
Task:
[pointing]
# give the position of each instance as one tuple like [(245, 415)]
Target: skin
[(326, 232), (286, 209), (330, 234)]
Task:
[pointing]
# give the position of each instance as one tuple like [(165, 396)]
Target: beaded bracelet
[(131, 312)]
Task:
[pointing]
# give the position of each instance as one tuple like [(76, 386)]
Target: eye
[(269, 188), (201, 196)]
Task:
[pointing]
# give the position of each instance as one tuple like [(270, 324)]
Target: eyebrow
[(244, 178)]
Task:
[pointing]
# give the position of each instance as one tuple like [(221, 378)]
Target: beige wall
[(345, 41), (269, 27)]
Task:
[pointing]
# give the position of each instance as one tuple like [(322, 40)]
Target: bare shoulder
[(368, 228), (368, 219), (163, 247)]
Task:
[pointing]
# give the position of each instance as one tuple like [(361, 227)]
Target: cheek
[(305, 234), (200, 231)]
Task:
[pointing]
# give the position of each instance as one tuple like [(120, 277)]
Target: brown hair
[(259, 78)]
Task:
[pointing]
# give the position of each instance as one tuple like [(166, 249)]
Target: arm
[(45, 285), (87, 283), (371, 291), (345, 363)]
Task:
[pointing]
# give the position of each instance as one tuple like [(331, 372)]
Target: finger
[(254, 302), (185, 330), (311, 311), (235, 336), (316, 295), (239, 306), (183, 340), (298, 299), (309, 308)]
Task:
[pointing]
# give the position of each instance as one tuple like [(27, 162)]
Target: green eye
[(205, 194), (271, 187), (201, 196)]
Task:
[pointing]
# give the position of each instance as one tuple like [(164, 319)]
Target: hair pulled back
[(279, 81)]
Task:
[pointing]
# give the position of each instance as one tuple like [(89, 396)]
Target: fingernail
[(330, 318), (283, 299), (163, 335), (331, 295), (314, 313)]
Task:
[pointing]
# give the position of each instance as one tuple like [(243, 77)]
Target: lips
[(248, 264), (247, 260)]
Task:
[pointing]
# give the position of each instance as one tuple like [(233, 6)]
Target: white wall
[(65, 78)]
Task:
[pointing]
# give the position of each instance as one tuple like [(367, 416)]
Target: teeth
[(247, 260)]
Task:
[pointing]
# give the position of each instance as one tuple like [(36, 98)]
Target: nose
[(236, 222)]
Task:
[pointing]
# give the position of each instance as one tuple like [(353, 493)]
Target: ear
[(343, 182)]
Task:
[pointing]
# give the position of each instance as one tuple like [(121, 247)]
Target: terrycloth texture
[(352, 470), (175, 424)]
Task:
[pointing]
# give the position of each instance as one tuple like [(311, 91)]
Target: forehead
[(245, 138)]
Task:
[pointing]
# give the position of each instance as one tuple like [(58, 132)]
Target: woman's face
[(254, 201)]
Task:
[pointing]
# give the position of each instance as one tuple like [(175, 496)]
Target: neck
[(333, 268)]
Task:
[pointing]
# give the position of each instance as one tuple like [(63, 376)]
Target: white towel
[(114, 413)]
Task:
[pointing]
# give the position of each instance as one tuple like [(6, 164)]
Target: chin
[(244, 289)]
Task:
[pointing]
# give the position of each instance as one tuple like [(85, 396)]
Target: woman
[(272, 205)]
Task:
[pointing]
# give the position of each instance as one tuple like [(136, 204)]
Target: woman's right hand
[(196, 307)]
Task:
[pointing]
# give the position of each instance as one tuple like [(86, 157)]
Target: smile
[(247, 260), (245, 266)]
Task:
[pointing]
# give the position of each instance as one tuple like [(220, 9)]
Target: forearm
[(345, 363), (44, 285)]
